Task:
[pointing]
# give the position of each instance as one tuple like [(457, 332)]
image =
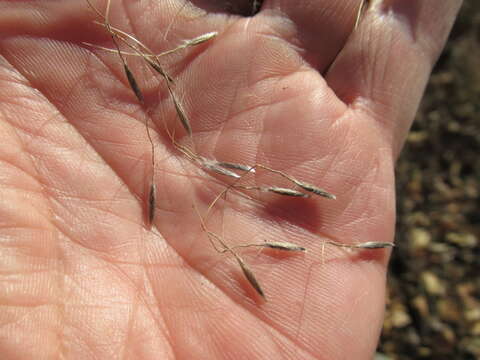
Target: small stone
[(424, 351), (399, 317), (419, 238), (465, 240), (448, 310), (465, 290), (433, 285), (471, 189), (453, 126), (380, 356), (421, 305), (472, 345), (443, 329), (439, 248), (416, 137), (472, 314), (418, 219), (448, 334), (475, 329), (412, 337)]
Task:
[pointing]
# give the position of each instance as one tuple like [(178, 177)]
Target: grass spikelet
[(152, 196), (250, 276), (131, 79), (283, 246), (133, 83), (190, 42), (286, 192), (212, 165), (305, 186), (374, 245), (201, 39), (314, 189), (235, 166), (180, 112)]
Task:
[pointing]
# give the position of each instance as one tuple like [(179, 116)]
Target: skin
[(81, 274)]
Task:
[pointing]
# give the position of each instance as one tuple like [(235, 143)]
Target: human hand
[(292, 88)]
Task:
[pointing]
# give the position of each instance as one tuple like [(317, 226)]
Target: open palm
[(83, 277)]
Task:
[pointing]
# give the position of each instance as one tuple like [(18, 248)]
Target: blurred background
[(433, 305)]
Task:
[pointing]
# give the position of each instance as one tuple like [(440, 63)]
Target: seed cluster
[(299, 189)]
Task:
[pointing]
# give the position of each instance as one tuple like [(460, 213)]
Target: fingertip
[(385, 65)]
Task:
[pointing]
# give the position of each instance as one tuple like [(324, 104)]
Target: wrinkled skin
[(82, 276)]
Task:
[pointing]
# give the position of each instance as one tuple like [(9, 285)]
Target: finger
[(318, 29), (386, 63)]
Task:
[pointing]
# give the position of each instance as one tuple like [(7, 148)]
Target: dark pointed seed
[(180, 112), (250, 277), (133, 83), (152, 194)]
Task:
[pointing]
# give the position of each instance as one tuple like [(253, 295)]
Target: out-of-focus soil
[(433, 308)]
